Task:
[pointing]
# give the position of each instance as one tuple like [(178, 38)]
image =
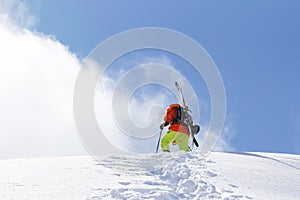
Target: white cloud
[(37, 74), (229, 131), (224, 140), (18, 12)]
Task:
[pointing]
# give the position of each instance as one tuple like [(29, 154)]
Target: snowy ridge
[(227, 176), (166, 176)]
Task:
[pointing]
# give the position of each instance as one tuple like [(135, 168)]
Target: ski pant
[(182, 141)]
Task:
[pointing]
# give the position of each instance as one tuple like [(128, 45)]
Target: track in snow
[(165, 176), (153, 176)]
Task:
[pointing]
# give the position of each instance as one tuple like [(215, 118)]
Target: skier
[(178, 132), (181, 126)]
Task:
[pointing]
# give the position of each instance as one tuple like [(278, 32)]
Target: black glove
[(195, 129), (163, 125)]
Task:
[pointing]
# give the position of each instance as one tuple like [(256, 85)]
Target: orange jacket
[(172, 114)]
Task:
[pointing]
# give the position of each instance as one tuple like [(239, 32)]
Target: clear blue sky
[(255, 44)]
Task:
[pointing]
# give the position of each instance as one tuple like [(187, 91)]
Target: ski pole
[(195, 141), (158, 140)]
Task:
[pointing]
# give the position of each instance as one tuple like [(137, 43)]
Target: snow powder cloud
[(37, 74)]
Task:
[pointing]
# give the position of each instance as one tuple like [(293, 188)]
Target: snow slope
[(153, 176)]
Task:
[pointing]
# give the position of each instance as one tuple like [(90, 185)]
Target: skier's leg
[(183, 141), (167, 139)]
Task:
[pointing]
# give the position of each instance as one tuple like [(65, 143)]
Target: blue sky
[(255, 45)]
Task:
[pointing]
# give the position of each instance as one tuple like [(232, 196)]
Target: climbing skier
[(178, 132)]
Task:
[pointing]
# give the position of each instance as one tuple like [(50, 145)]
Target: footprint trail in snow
[(165, 176)]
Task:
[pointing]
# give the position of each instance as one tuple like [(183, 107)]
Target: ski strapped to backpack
[(186, 118)]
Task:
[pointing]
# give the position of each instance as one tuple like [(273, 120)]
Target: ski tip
[(178, 86)]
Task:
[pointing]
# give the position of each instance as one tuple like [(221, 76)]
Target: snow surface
[(153, 176)]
